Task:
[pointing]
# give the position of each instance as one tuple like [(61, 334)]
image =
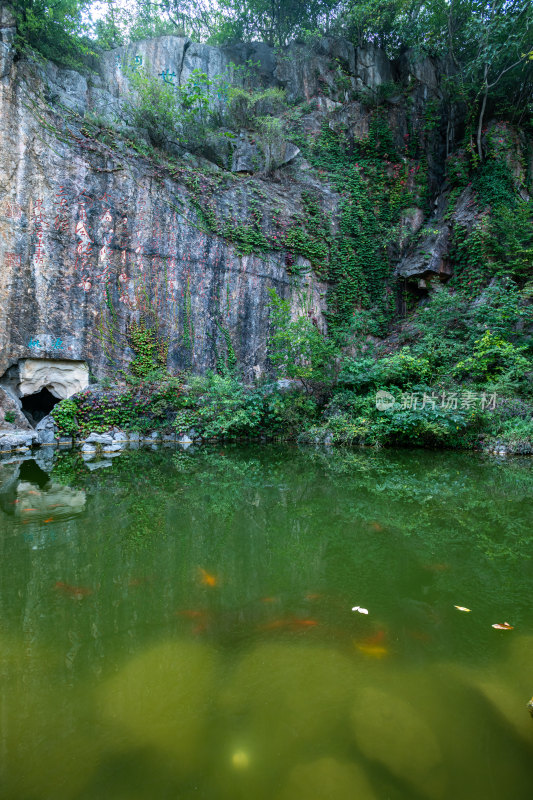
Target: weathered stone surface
[(428, 256), (9, 406), (7, 36), (94, 236), (250, 155), (46, 432), (88, 451), (61, 378), (91, 239), (16, 439), (372, 67), (99, 438)]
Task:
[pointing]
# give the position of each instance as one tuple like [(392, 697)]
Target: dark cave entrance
[(37, 406)]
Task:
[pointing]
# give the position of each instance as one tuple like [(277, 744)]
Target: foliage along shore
[(461, 385), (463, 349)]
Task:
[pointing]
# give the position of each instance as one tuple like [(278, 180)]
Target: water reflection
[(191, 633), (29, 494)]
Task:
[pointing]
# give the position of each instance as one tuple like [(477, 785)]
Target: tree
[(501, 37), (273, 21), (54, 29), (297, 348)]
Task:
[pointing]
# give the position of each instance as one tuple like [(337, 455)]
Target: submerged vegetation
[(196, 634)]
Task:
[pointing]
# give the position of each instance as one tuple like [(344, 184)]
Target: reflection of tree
[(407, 534)]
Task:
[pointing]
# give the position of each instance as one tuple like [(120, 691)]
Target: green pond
[(179, 624)]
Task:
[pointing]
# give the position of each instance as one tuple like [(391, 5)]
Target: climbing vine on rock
[(150, 349), (375, 184)]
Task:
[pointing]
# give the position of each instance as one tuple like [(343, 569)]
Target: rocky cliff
[(95, 233)]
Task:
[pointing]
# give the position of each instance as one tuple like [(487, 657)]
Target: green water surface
[(179, 625)]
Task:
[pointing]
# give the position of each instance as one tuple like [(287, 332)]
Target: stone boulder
[(325, 778), (18, 440), (46, 430), (253, 154), (9, 408), (161, 698), (390, 730)]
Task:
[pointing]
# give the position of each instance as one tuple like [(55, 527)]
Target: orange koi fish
[(269, 599), (75, 592), (503, 626), (377, 638), (376, 526), (374, 645), (29, 509), (206, 578), (50, 519), (372, 650), (313, 596), (31, 491)]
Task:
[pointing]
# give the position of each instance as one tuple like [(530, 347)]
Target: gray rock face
[(46, 431), (249, 155), (11, 417), (91, 238), (94, 236), (99, 438), (17, 439), (428, 257)]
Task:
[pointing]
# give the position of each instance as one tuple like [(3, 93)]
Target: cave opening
[(37, 406)]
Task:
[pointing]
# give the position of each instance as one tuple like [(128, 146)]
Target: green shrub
[(493, 356), (168, 113), (426, 426), (402, 369), (296, 347), (64, 415), (224, 408), (149, 348), (245, 106)]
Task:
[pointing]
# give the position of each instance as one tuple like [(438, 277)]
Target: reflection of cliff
[(27, 493)]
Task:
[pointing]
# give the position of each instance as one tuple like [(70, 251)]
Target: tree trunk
[(482, 112), (480, 122)]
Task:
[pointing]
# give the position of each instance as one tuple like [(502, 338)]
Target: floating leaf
[(504, 626), (462, 608), (361, 610)]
